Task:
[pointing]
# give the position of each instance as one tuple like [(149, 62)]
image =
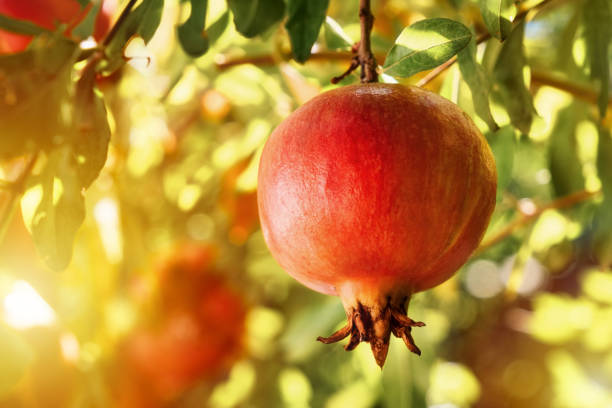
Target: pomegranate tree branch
[(537, 77), (524, 219), (354, 65), (364, 53), (224, 63)]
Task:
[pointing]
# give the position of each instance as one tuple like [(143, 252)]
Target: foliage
[(120, 150)]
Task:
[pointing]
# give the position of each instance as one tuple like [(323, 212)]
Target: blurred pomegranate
[(196, 336), (48, 14)]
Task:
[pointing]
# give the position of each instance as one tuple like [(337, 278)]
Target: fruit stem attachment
[(373, 321), (364, 58)]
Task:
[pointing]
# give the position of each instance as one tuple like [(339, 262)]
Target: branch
[(224, 63), (583, 92), (441, 68), (366, 58), (351, 68), (559, 203), (537, 77)]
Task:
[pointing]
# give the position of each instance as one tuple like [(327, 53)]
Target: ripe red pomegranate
[(47, 14), (374, 192)]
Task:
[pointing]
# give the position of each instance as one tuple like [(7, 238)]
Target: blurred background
[(171, 297)]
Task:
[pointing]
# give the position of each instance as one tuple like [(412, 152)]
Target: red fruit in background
[(184, 349), (47, 14), (184, 273), (240, 206), (197, 334), (374, 192)]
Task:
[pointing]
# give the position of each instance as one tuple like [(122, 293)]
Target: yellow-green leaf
[(425, 45)]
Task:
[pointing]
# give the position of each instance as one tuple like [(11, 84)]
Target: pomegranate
[(196, 332), (47, 14), (168, 359), (374, 192), (185, 273)]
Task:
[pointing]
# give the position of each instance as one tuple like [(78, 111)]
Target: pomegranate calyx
[(374, 324)]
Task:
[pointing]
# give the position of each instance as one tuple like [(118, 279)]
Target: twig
[(263, 60), (431, 75), (562, 202), (583, 92), (16, 189), (441, 68), (537, 77), (354, 65), (364, 53), (122, 17)]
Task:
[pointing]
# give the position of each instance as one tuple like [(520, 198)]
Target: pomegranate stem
[(366, 57)]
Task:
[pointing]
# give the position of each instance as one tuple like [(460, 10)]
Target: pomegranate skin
[(47, 14), (378, 185), (373, 192)]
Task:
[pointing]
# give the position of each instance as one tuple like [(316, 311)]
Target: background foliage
[(115, 156)]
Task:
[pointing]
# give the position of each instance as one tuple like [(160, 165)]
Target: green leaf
[(565, 56), (53, 207), (20, 26), (216, 29), (503, 145), (564, 164), (496, 15), (146, 18), (142, 21), (87, 25), (598, 34), (16, 355), (90, 132), (253, 17), (508, 74), (335, 37), (425, 45), (33, 89), (304, 24), (191, 33), (604, 161), (197, 45), (478, 82), (602, 222)]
